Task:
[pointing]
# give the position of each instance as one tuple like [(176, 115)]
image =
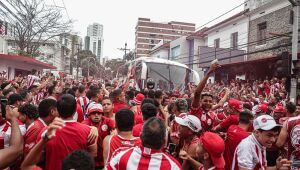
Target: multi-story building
[(270, 26), (94, 40), (149, 33)]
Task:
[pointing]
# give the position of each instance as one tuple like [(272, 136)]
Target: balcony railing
[(224, 56)]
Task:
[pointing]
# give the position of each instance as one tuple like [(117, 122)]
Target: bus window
[(167, 77)]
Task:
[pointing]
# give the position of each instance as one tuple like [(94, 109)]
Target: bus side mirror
[(150, 83)]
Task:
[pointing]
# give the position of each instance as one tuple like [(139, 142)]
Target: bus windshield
[(167, 77)]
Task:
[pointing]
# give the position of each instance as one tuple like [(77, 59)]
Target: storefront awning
[(26, 59)]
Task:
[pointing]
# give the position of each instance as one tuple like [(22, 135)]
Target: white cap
[(94, 107), (191, 121), (264, 122)]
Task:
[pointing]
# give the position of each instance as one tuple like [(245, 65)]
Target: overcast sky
[(119, 17)]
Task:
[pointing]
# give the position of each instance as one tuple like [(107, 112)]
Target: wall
[(183, 50), (277, 22), (5, 64), (162, 53), (224, 32), (3, 46)]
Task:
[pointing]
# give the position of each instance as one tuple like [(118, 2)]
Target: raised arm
[(223, 100), (10, 154), (201, 85)]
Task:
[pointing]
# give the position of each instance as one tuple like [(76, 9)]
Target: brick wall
[(277, 22)]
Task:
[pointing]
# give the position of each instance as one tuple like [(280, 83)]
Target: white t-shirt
[(250, 154), (6, 133)]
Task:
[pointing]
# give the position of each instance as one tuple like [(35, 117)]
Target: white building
[(229, 33), (161, 50), (94, 40)]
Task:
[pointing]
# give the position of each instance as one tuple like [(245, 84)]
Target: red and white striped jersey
[(143, 158), (38, 98), (118, 143), (31, 79), (250, 154), (83, 102), (5, 133)]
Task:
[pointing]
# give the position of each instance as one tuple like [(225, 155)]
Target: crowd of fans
[(63, 124)]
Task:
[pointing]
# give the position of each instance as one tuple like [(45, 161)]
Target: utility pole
[(77, 60), (295, 4), (125, 50)]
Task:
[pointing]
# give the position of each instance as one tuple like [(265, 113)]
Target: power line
[(254, 52), (198, 28), (251, 44), (213, 44), (226, 49)]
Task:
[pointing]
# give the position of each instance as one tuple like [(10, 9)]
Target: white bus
[(167, 75)]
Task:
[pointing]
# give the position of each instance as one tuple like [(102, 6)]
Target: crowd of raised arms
[(53, 124)]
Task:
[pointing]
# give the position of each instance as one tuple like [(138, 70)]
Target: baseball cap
[(279, 109), (262, 108), (215, 146), (236, 104), (138, 98), (95, 107), (190, 121), (264, 122)]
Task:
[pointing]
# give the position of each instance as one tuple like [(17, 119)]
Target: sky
[(119, 17)]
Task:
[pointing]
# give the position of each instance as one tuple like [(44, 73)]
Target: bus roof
[(160, 60)]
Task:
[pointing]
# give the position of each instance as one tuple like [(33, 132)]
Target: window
[(175, 52), (94, 47), (261, 33), (234, 40), (217, 43)]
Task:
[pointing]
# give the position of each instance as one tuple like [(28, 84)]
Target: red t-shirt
[(73, 136), (230, 120), (207, 119), (117, 106), (235, 135), (117, 143), (137, 130), (31, 134), (138, 118), (104, 128)]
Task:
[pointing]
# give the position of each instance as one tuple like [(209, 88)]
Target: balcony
[(224, 56)]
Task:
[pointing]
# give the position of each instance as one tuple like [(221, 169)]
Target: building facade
[(269, 28), (94, 40), (149, 33)]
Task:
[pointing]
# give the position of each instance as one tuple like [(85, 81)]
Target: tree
[(37, 23), (114, 65), (87, 61), (129, 56)]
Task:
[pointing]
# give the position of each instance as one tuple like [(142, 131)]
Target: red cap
[(139, 98), (215, 147), (235, 104), (279, 109), (262, 108)]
